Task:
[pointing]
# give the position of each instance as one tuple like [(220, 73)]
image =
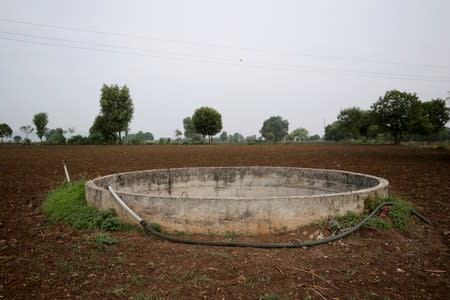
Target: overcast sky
[(302, 60)]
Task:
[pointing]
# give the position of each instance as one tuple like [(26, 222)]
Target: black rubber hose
[(309, 243)]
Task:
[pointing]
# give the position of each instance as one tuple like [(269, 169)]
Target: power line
[(103, 45), (97, 49), (113, 49), (272, 52)]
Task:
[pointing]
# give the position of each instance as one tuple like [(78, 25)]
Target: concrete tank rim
[(382, 183)]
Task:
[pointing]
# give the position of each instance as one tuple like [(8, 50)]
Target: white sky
[(302, 60)]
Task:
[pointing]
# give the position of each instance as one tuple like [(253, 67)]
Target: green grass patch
[(217, 253), (271, 296), (65, 266), (156, 227), (101, 240), (380, 223), (142, 296), (195, 277), (342, 223), (398, 216), (67, 203)]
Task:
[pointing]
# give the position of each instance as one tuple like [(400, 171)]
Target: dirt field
[(38, 261)]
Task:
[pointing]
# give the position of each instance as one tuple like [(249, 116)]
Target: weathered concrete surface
[(242, 199)]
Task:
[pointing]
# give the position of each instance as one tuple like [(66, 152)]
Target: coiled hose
[(148, 228)]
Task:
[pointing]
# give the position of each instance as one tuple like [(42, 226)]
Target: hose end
[(143, 223)]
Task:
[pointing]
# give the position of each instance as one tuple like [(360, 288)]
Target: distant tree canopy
[(251, 139), (189, 130), (40, 121), (398, 114), (351, 121), (116, 112), (236, 138), (298, 135), (78, 140), (55, 136), (437, 114), (223, 137), (17, 139), (140, 138), (275, 129), (5, 131), (207, 121), (315, 137), (334, 132), (101, 131)]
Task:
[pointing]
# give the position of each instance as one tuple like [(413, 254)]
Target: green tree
[(40, 121), (207, 121), (251, 139), (236, 138), (315, 137), (27, 129), (116, 110), (299, 135), (5, 131), (437, 114), (140, 138), (351, 121), (399, 113), (189, 130), (55, 136), (17, 139), (78, 140), (373, 131), (223, 137), (101, 131), (274, 129), (368, 126), (334, 132)]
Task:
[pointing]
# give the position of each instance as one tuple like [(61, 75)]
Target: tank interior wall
[(240, 182), (244, 215)]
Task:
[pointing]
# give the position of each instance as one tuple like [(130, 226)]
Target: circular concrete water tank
[(249, 200)]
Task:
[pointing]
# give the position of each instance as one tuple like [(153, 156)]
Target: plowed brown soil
[(41, 261)]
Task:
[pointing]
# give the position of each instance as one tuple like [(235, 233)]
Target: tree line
[(395, 116)]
